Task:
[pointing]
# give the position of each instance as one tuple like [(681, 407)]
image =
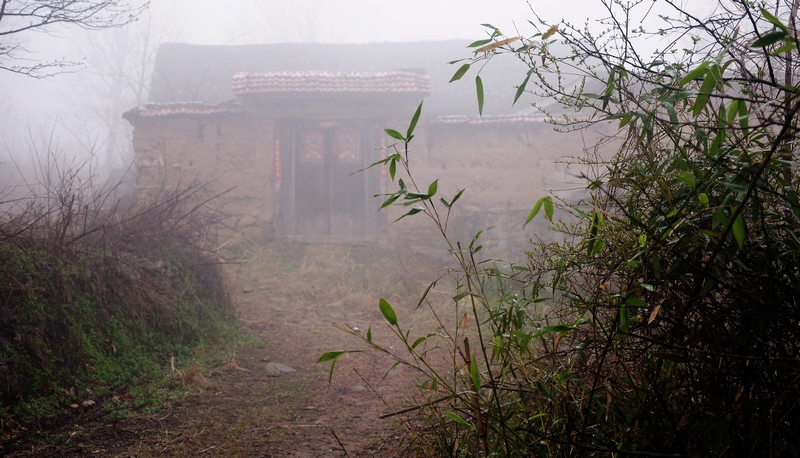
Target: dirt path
[(288, 296)]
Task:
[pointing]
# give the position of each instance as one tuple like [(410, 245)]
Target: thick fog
[(75, 111)]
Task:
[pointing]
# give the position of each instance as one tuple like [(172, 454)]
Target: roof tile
[(401, 81)]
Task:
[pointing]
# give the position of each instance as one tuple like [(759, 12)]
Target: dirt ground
[(288, 296)]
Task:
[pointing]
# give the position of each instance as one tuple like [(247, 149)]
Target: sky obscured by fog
[(49, 105)]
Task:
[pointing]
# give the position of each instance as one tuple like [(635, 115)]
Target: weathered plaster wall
[(505, 168), (232, 153)]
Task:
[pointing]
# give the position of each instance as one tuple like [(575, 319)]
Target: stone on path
[(276, 369)]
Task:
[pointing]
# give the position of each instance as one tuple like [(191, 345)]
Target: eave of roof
[(193, 109), (486, 120), (303, 82)]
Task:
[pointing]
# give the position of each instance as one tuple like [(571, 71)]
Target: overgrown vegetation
[(667, 323), (100, 302)]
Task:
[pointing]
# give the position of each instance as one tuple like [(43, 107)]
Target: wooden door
[(328, 201)]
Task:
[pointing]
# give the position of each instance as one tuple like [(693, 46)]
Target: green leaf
[(331, 356), (687, 178), (394, 134), (743, 116), (775, 21), (414, 121), (521, 87), (738, 231), (457, 196), (390, 200), (694, 74), (642, 240), (733, 109), (418, 341), (425, 294), (703, 198), (656, 265), (635, 302), (387, 312), (392, 168), (624, 318), (784, 49), (411, 212), (432, 188), (556, 328), (535, 210), (460, 296), (461, 71), (609, 87), (769, 38), (709, 83), (740, 188), (548, 208), (673, 115), (369, 334), (476, 379), (457, 418), (475, 44), (479, 89)]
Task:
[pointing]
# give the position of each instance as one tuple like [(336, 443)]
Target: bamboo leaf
[(784, 49), (457, 418), (414, 121), (479, 90), (624, 318), (548, 208), (694, 74), (387, 312), (432, 188), (411, 212), (769, 38), (331, 356), (775, 21), (475, 44), (476, 379), (743, 116), (459, 73), (395, 134), (534, 211), (738, 231), (425, 294), (521, 87), (635, 302), (457, 196)]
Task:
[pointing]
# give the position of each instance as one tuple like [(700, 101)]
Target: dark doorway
[(322, 199)]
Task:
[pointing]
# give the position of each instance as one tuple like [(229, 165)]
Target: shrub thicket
[(96, 299), (667, 323)]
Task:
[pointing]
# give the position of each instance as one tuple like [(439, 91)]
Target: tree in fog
[(18, 17), (119, 64)]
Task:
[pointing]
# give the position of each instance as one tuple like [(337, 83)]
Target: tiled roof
[(502, 119), (177, 109), (402, 81)]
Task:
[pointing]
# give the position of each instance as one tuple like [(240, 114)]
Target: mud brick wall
[(232, 153), (505, 168)]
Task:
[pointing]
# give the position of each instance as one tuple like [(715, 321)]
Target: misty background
[(75, 113)]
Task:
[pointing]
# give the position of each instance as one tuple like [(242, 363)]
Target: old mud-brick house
[(285, 125)]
